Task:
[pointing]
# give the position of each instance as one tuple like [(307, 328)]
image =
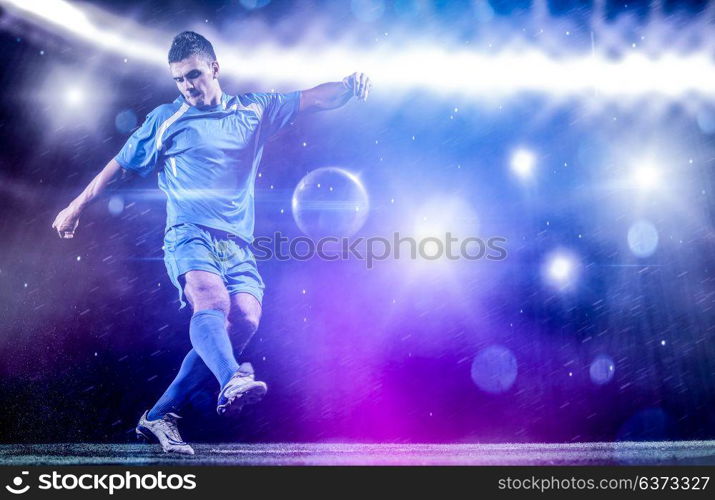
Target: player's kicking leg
[(212, 355), (242, 388)]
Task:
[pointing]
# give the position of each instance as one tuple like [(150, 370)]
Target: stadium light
[(510, 70)]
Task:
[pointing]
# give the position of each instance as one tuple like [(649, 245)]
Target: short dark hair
[(189, 43)]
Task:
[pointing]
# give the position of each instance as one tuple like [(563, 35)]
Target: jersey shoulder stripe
[(167, 123)]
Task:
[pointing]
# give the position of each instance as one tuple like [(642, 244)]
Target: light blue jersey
[(208, 156)]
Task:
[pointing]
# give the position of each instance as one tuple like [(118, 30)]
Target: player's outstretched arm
[(335, 94), (67, 220)]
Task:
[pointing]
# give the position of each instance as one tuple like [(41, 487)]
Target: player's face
[(195, 78)]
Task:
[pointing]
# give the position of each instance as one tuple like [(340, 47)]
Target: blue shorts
[(190, 247)]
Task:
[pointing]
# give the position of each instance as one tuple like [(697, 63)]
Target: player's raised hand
[(66, 222), (359, 84)]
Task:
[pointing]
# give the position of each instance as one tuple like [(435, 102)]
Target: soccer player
[(206, 147)]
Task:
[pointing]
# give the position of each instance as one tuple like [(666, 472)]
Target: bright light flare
[(76, 101), (561, 270), (445, 215), (438, 221), (481, 73), (62, 16), (74, 96), (646, 177), (522, 163)]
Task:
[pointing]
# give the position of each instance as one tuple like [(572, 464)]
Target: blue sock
[(192, 375), (210, 341)]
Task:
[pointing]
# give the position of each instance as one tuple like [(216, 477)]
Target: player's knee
[(243, 321)]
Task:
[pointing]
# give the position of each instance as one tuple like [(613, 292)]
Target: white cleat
[(164, 431), (240, 390)]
